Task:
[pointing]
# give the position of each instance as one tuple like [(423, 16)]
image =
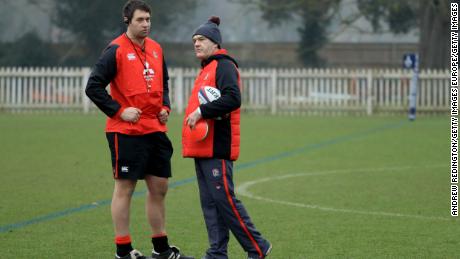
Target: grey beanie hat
[(210, 30)]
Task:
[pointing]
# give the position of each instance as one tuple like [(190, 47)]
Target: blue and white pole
[(411, 61)]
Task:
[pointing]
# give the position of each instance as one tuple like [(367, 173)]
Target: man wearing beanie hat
[(214, 155), (210, 30)]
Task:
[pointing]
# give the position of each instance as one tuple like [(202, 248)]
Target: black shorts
[(134, 156)]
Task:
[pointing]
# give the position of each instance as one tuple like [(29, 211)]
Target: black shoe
[(266, 252), (171, 253), (134, 254), (269, 250)]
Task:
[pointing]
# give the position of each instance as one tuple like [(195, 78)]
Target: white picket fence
[(275, 91)]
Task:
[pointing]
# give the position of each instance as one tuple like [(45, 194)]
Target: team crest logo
[(148, 72), (131, 56), (215, 172), (155, 55)]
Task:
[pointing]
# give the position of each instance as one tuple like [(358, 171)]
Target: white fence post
[(179, 91), (369, 95), (85, 100), (274, 79)]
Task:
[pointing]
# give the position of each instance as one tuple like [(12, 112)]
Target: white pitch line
[(243, 190)]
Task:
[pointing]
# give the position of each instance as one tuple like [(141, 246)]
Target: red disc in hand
[(199, 132)]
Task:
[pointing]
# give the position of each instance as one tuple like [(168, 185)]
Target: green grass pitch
[(316, 187)]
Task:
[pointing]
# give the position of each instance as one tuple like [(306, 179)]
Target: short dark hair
[(131, 6)]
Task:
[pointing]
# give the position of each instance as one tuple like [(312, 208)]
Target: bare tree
[(430, 17)]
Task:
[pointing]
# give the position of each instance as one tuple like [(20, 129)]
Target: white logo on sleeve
[(124, 169), (131, 56)]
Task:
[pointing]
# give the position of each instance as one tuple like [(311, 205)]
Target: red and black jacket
[(138, 78), (223, 140)]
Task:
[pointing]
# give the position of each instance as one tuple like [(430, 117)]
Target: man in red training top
[(215, 154), (137, 111)]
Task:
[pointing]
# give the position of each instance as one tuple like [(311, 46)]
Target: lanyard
[(146, 75)]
